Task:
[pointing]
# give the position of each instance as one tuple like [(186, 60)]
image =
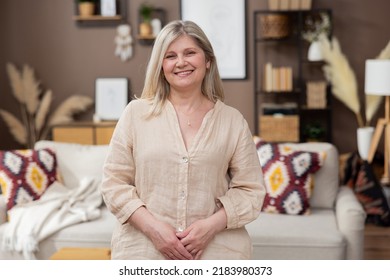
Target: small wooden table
[(78, 253)]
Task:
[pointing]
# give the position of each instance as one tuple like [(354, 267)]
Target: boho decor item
[(364, 136), (123, 42), (36, 118), (284, 128), (343, 80), (274, 26), (316, 94)]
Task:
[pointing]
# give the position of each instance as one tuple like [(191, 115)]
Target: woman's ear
[(208, 65)]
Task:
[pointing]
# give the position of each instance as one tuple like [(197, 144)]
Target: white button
[(185, 159), (182, 195), (180, 229)]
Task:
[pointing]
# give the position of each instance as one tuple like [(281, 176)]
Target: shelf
[(97, 18), (281, 93), (315, 109)]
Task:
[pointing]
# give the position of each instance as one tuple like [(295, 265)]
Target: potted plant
[(314, 132), (314, 26), (86, 7), (145, 12)]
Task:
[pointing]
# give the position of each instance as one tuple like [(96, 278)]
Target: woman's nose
[(180, 61)]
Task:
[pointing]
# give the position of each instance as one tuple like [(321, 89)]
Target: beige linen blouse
[(149, 165)]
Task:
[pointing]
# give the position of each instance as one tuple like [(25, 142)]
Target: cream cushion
[(76, 161)]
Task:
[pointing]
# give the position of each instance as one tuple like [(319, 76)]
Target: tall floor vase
[(364, 136)]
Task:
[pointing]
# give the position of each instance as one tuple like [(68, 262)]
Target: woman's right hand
[(162, 235), (166, 242)]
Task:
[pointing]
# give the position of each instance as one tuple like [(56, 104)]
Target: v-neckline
[(195, 141)]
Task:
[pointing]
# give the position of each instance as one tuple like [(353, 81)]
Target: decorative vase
[(364, 136), (86, 9), (314, 52), (145, 29)]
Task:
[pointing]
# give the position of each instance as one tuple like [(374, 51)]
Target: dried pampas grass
[(71, 106), (340, 74), (16, 83), (65, 112), (17, 129), (43, 110), (344, 85), (35, 107), (30, 89)]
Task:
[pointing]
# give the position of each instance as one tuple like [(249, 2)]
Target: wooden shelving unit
[(280, 43)]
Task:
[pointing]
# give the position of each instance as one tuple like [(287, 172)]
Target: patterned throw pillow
[(287, 175), (26, 174), (360, 176)]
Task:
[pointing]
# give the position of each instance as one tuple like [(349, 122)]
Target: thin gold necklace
[(189, 115)]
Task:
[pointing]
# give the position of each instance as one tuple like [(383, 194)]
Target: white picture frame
[(108, 8), (224, 22), (111, 97)]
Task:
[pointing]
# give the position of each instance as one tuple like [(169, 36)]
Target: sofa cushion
[(77, 161), (26, 174), (326, 180), (314, 236), (287, 174)]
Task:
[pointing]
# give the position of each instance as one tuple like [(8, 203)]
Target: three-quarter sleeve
[(118, 184), (244, 198)]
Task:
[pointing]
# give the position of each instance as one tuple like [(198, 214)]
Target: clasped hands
[(186, 245)]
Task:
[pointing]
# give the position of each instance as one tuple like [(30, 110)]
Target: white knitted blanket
[(57, 208)]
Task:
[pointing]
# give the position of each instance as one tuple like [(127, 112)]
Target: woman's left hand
[(197, 236)]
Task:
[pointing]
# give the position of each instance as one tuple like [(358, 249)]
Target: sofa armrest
[(3, 210), (351, 219)]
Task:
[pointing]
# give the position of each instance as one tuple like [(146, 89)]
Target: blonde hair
[(156, 88)]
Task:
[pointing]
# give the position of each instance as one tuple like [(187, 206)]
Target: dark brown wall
[(68, 58)]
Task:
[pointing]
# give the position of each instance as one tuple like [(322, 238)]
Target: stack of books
[(278, 79)]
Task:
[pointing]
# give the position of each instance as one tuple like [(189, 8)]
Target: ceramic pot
[(314, 52), (145, 29), (86, 9), (364, 136)]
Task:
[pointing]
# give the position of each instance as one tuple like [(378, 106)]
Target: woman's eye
[(170, 56)]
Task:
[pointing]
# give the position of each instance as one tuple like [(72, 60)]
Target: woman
[(182, 176)]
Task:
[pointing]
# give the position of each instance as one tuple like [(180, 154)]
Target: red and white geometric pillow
[(26, 174), (288, 177)]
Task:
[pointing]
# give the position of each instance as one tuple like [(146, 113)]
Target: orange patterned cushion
[(287, 175), (26, 174)]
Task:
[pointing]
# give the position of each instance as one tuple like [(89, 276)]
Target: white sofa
[(334, 229)]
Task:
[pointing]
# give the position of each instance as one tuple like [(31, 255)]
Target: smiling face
[(185, 65)]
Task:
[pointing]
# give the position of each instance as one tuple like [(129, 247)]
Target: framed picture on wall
[(111, 97), (224, 22)]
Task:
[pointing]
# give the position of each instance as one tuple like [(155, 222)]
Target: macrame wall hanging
[(124, 41)]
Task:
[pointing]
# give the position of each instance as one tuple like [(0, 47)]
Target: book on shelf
[(277, 79)]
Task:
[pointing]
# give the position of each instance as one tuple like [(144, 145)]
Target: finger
[(198, 255)]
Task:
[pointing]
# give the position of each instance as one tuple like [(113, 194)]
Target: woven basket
[(274, 26), (279, 129), (316, 94)]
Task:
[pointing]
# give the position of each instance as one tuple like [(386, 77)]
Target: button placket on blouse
[(182, 193)]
